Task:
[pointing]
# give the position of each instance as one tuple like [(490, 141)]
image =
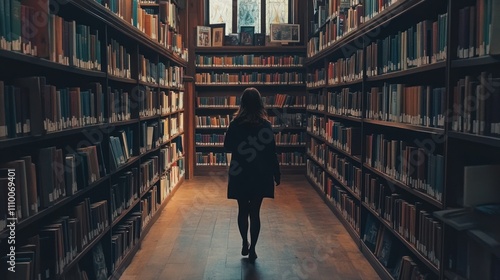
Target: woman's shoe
[(244, 250), (251, 254)]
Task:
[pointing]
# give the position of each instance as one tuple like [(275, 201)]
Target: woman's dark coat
[(254, 163)]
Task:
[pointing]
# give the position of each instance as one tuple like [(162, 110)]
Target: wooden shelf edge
[(405, 126), (479, 139), (251, 49), (412, 71)]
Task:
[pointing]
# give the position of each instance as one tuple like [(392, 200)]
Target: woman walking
[(254, 166)]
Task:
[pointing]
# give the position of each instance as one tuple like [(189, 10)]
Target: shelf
[(347, 225), (56, 206), (122, 80), (141, 119), (316, 87), (316, 111), (353, 157), (149, 5), (33, 60), (347, 118), (347, 188), (416, 128), (313, 158), (277, 146), (248, 67), (344, 84), (412, 71), (18, 141), (213, 128), (479, 139), (218, 85), (172, 113), (251, 49), (80, 255), (210, 170), (120, 123), (171, 88), (401, 185), (410, 246), (475, 61), (372, 259), (225, 108), (148, 84), (175, 136)]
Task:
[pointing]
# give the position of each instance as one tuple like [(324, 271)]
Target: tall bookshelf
[(222, 73), (92, 133), (398, 112)]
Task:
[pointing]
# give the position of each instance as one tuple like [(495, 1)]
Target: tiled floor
[(196, 237)]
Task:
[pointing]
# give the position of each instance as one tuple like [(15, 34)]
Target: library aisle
[(196, 237)]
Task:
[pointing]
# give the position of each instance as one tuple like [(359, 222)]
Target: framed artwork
[(203, 36), (233, 39), (218, 33), (246, 35), (260, 39), (285, 33)]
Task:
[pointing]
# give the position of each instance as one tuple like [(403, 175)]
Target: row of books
[(149, 173), (48, 253), (344, 103), (344, 170), (292, 159), (121, 148), (278, 100), (422, 44), (171, 154), (119, 105), (221, 121), (316, 78), (344, 203), (56, 39), (416, 105), (285, 120), (316, 101), (148, 70), (118, 60), (168, 14), (150, 105), (49, 176), (223, 159), (249, 78), (172, 40), (338, 18), (476, 25), (410, 220), (124, 191), (30, 106), (290, 138), (248, 60), (170, 76), (345, 138), (475, 102), (124, 237), (128, 232), (345, 70), (416, 167)]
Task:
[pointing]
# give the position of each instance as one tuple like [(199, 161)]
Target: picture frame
[(260, 39), (218, 33), (246, 35), (203, 36), (232, 39), (285, 32)]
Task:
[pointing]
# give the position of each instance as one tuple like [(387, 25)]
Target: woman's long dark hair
[(251, 108)]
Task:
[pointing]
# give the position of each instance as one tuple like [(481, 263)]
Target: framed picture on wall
[(203, 36), (218, 33), (233, 39), (246, 35), (260, 39), (285, 33)]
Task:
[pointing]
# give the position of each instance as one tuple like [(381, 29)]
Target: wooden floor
[(196, 237)]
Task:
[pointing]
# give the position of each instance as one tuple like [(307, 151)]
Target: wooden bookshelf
[(85, 128)]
